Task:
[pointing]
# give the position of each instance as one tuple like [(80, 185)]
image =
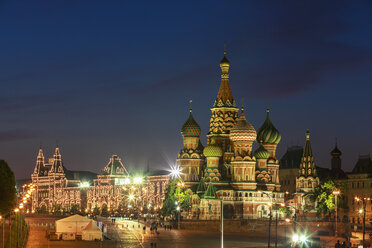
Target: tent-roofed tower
[(39, 167), (190, 159), (307, 178), (224, 112), (57, 166), (336, 158)]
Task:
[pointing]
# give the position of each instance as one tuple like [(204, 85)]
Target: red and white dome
[(243, 130)]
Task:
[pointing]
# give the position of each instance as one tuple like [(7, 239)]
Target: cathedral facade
[(227, 172)]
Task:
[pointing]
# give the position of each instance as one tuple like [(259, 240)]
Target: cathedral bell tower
[(190, 159), (224, 113), (269, 137)]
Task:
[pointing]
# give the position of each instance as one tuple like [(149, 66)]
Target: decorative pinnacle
[(242, 108), (190, 105), (224, 49)]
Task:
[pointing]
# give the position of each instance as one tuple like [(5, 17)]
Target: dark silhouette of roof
[(363, 165), (158, 173), (292, 158), (80, 175)]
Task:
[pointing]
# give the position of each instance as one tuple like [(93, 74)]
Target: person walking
[(338, 245)]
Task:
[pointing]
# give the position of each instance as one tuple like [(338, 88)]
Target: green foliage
[(169, 206), (74, 208), (173, 194), (286, 211), (7, 189), (324, 197), (57, 209), (104, 211), (42, 210), (96, 210)]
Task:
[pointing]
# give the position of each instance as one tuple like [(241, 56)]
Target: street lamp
[(363, 200), (336, 193), (270, 216)]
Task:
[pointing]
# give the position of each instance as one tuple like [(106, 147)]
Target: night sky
[(115, 77)]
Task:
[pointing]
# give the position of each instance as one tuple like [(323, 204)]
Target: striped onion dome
[(268, 134), (242, 130), (190, 128), (261, 153), (212, 150)]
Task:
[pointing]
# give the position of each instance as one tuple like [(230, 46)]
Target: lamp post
[(270, 216), (221, 223), (336, 193), (363, 200), (180, 184)]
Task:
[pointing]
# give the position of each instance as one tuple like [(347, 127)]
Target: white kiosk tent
[(71, 226), (92, 232)]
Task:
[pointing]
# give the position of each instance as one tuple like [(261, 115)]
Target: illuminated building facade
[(59, 189), (228, 168)]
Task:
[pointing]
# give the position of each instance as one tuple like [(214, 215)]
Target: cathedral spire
[(224, 96), (57, 166), (39, 162), (307, 160)]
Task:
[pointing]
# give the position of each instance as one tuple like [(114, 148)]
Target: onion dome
[(212, 150), (242, 130), (336, 152), (261, 153), (224, 62), (268, 134), (190, 128)]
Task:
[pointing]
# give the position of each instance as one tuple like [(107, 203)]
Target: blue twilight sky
[(115, 77)]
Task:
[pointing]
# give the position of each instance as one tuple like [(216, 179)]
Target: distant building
[(358, 183), (56, 187), (59, 189), (289, 166)]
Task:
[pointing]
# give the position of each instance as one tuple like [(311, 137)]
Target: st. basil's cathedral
[(228, 169)]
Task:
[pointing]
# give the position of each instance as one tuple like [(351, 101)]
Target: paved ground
[(131, 235)]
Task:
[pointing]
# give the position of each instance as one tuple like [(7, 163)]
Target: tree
[(104, 211), (8, 194), (323, 196), (175, 195), (169, 203), (96, 210), (74, 208), (57, 209)]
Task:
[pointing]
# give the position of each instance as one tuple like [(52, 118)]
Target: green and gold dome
[(191, 127), (261, 153), (212, 150), (268, 134)]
